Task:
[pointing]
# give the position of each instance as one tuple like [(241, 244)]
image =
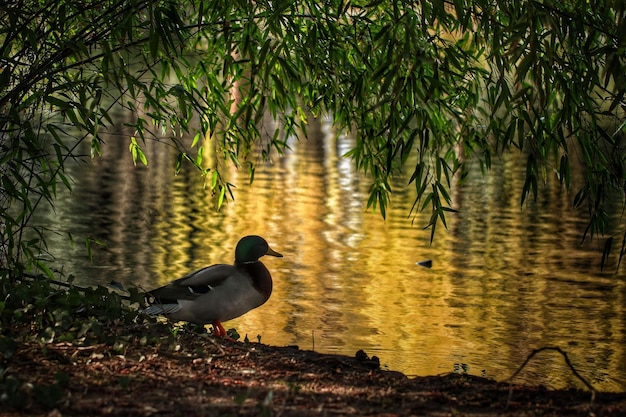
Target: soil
[(200, 375)]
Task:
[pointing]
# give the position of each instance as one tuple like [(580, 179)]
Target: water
[(504, 281)]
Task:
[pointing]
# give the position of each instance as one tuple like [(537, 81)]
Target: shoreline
[(199, 375)]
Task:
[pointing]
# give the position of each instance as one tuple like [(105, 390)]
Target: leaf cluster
[(36, 309), (427, 88), (555, 93), (40, 312)]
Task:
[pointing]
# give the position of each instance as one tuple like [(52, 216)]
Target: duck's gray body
[(215, 293)]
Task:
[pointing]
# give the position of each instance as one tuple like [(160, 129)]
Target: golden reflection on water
[(504, 280)]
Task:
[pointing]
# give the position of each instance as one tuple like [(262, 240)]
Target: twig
[(64, 284), (567, 361), (217, 345)]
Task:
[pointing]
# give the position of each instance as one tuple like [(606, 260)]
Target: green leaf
[(8, 346), (564, 171), (137, 152), (622, 252), (220, 200), (606, 252), (580, 197), (48, 395), (60, 104), (196, 139)]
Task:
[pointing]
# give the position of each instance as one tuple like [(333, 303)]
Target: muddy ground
[(200, 375)]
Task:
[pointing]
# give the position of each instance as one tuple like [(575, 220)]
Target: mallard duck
[(220, 292)]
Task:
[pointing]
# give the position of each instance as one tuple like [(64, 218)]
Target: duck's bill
[(272, 252)]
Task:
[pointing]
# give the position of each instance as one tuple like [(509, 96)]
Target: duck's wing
[(195, 284)]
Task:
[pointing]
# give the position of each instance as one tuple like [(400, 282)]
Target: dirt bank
[(198, 375)]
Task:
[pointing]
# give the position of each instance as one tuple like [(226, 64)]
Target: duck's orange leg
[(218, 329)]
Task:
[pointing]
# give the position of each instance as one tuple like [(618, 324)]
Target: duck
[(220, 292)]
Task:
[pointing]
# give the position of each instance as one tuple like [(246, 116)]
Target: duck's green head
[(251, 248)]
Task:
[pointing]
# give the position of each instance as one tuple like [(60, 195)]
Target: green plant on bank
[(461, 368), (40, 312), (427, 88)]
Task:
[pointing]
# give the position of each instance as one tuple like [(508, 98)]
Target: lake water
[(504, 281)]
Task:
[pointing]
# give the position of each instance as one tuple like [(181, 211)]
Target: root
[(567, 361)]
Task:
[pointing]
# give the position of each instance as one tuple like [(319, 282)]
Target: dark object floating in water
[(426, 264)]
